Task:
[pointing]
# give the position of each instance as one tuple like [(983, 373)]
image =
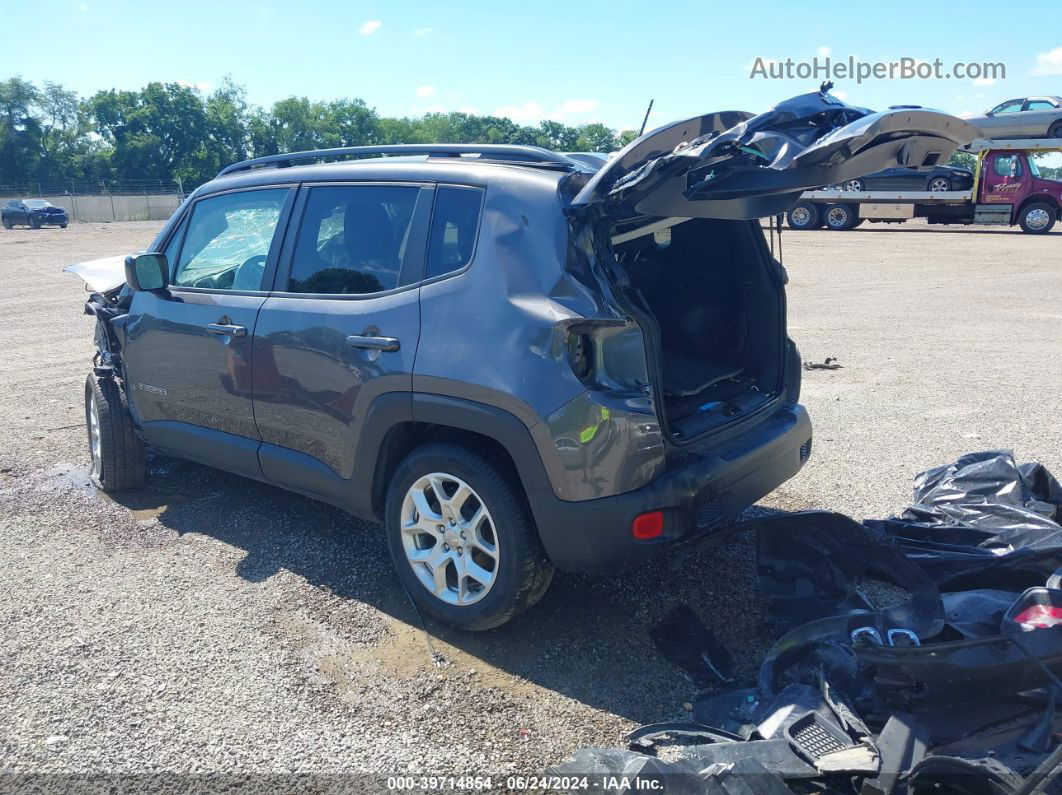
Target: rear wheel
[(7, 223), (1056, 130), (62, 225), (803, 215), (1037, 218), (841, 217), (853, 184), (463, 539), (117, 452), (939, 184)]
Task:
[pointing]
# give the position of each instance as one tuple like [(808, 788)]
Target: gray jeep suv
[(511, 358)]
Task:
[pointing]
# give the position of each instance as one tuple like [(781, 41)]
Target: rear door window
[(226, 244), (355, 239), (454, 228)]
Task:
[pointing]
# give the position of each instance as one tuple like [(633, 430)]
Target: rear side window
[(1039, 104), (353, 239), (454, 225)]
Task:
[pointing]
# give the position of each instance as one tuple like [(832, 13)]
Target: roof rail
[(531, 155)]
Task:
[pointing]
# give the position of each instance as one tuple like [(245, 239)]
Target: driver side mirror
[(148, 272)]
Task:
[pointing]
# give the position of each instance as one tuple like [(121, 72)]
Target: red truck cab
[(1009, 183)]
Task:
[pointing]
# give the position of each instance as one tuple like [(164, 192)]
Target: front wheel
[(463, 539), (7, 223), (1037, 218), (803, 215), (117, 452), (939, 184), (841, 217), (35, 223), (62, 226), (853, 184)]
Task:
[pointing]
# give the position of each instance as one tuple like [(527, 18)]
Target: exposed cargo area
[(710, 291)]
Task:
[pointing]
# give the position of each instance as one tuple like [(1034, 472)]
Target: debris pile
[(916, 654)]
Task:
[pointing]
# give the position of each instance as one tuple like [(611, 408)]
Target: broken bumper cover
[(694, 495)]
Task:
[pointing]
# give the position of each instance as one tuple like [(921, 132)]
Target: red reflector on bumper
[(648, 525)]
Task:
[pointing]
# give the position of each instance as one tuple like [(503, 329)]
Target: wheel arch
[(1039, 198), (434, 418)]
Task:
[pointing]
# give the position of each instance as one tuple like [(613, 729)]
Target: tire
[(853, 184), (1038, 218), (1055, 131), (62, 226), (840, 217), (938, 184), (7, 223), (118, 461), (35, 223), (519, 570), (803, 215)]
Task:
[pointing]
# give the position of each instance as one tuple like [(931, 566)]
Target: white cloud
[(421, 32), (529, 111), (841, 95), (823, 52), (369, 27), (984, 81), (1048, 63), (203, 85), (578, 106), (425, 91)]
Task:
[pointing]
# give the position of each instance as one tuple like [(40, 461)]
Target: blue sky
[(576, 62)]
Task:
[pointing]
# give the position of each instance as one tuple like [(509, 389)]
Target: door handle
[(226, 330), (373, 343)]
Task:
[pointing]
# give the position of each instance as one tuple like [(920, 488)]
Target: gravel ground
[(212, 624)]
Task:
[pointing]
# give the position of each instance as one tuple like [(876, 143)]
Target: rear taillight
[(1039, 617)]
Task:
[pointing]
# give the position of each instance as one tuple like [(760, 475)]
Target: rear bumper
[(695, 493)]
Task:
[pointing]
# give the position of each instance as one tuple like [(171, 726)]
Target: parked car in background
[(1027, 117), (939, 178), (34, 213)]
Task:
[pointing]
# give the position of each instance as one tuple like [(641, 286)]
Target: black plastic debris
[(684, 640), (982, 522), (829, 364), (949, 685)]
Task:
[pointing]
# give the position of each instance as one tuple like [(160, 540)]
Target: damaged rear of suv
[(512, 360)]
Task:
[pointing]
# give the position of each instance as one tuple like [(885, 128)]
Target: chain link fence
[(103, 200)]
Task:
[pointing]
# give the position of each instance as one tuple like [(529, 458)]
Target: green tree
[(596, 138), (20, 130)]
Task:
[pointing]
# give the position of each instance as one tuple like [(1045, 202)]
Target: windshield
[(37, 204)]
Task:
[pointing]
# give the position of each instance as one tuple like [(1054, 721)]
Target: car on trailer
[(1008, 189)]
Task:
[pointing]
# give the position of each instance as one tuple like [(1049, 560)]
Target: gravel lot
[(209, 623)]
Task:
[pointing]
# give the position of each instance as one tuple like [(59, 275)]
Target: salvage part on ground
[(684, 640), (981, 522), (731, 165)]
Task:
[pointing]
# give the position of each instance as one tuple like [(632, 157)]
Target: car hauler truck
[(1007, 189)]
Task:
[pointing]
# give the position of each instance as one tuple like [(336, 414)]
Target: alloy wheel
[(853, 184), (449, 539), (939, 184), (1037, 218), (95, 439)]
